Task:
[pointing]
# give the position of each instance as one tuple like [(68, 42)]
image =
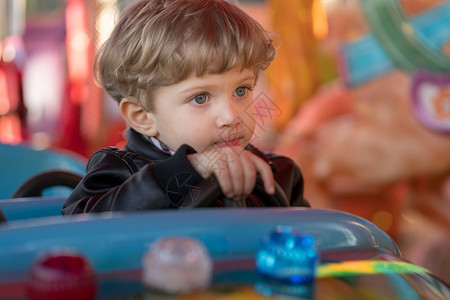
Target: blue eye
[(241, 91), (200, 99)]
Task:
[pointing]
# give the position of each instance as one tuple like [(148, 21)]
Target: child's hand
[(235, 169)]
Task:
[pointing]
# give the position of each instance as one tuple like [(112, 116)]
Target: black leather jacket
[(142, 177)]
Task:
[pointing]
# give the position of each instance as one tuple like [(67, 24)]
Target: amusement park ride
[(197, 252)]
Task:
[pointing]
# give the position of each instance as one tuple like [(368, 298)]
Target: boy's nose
[(227, 114)]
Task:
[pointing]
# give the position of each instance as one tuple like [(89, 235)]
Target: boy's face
[(212, 110)]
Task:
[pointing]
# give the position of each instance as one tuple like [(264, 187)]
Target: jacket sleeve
[(288, 175), (114, 184)]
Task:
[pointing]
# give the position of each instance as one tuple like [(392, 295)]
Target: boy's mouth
[(230, 143)]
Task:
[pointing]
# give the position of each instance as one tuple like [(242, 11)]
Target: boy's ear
[(137, 117)]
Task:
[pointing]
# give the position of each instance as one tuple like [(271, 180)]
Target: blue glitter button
[(287, 254)]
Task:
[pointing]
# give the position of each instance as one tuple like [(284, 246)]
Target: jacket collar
[(137, 143)]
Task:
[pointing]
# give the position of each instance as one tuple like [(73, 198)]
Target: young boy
[(183, 72)]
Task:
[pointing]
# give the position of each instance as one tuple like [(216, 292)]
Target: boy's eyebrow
[(252, 78), (196, 88), (202, 86)]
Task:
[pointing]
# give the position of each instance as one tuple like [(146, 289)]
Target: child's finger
[(249, 176), (237, 172), (225, 182), (221, 169), (266, 174)]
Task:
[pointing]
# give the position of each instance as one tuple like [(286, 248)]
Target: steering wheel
[(209, 190), (34, 186)]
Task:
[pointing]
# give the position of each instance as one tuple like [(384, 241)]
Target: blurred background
[(358, 96)]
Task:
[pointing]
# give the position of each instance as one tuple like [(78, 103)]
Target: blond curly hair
[(161, 42)]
